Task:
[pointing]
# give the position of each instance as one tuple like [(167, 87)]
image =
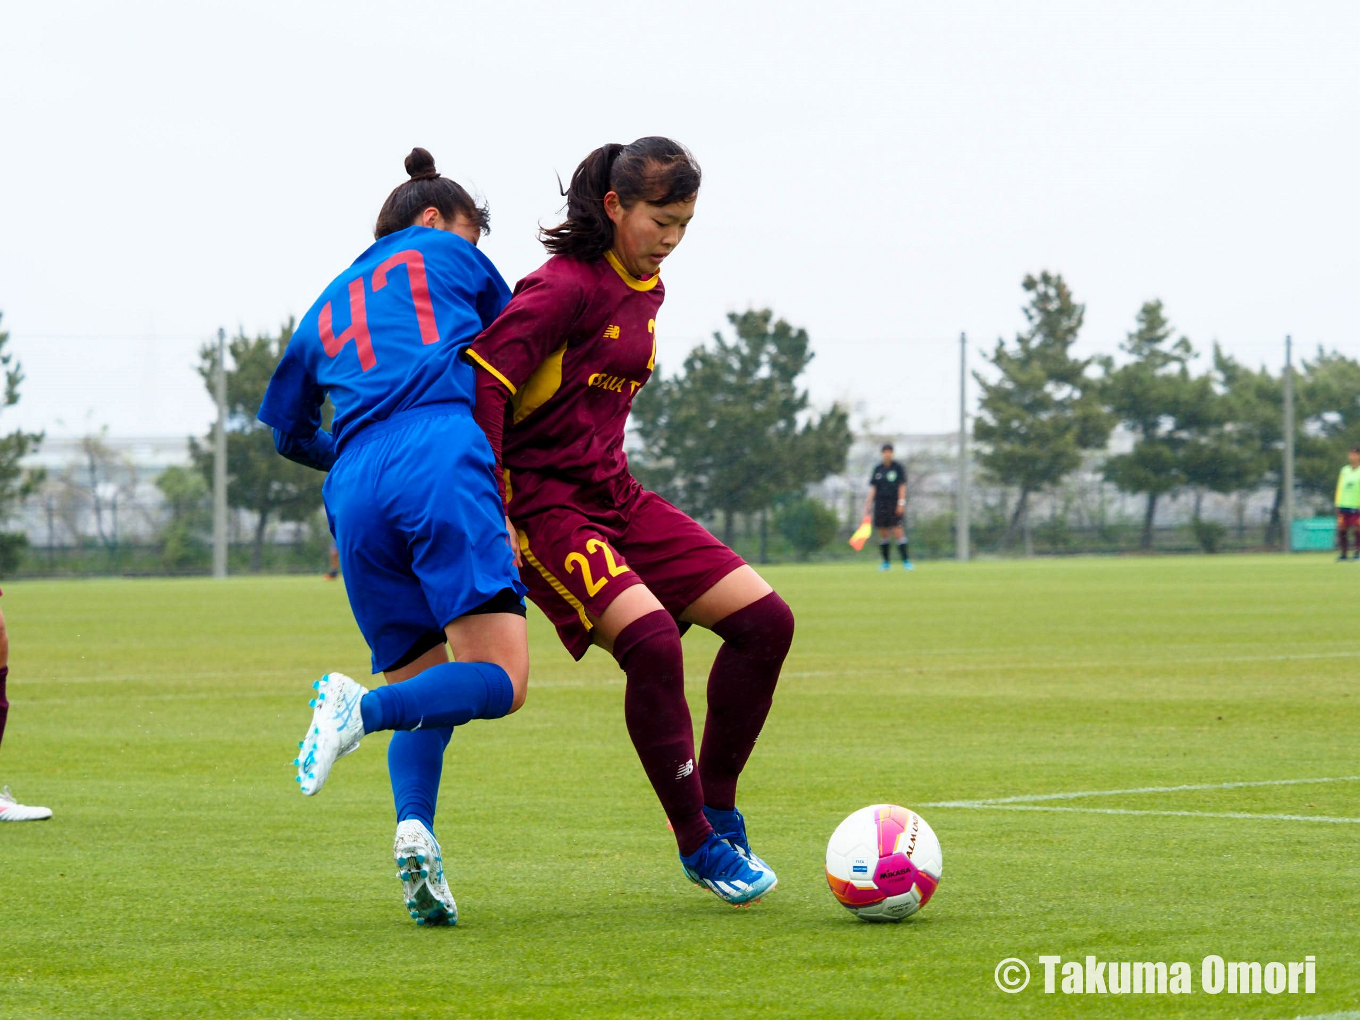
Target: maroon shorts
[(1347, 519), (577, 561)]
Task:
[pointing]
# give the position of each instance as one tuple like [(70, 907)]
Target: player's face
[(1355, 459), (645, 234), (887, 457)]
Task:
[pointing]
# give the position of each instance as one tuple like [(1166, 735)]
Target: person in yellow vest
[(1348, 503)]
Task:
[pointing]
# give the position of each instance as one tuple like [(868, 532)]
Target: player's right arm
[(532, 326)]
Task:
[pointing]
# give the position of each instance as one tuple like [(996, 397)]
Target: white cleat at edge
[(335, 730)]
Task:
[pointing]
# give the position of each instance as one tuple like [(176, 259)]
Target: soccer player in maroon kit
[(606, 561)]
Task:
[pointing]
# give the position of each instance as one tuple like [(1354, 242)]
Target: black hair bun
[(420, 165)]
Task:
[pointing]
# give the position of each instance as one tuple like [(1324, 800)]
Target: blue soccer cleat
[(728, 873), (908, 565), (731, 828), (885, 565)]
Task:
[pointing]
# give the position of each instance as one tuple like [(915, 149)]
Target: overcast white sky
[(882, 174)]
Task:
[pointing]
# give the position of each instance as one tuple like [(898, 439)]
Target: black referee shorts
[(887, 516)]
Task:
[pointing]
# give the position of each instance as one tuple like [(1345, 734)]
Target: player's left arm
[(292, 408), (902, 495)]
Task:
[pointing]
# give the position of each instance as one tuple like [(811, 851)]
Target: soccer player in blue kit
[(412, 500)]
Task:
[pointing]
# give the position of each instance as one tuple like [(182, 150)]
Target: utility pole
[(220, 461), (1288, 544), (961, 530)]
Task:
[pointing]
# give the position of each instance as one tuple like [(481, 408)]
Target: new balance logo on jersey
[(685, 770), (612, 332)]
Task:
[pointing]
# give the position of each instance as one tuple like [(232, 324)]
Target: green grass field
[(184, 876)]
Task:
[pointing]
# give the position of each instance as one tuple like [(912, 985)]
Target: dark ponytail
[(652, 169), (426, 188)]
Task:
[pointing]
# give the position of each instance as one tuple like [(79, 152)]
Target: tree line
[(1043, 411), (733, 433)]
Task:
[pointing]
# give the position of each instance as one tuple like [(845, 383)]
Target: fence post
[(961, 529), (1287, 543), (220, 461)]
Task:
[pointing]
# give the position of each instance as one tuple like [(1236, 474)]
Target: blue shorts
[(414, 508)]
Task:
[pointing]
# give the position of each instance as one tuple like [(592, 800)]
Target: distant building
[(97, 486)]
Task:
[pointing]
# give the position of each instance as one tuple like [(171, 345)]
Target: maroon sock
[(740, 688), (1341, 535), (4, 704), (658, 720)]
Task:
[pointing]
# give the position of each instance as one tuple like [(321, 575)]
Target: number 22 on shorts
[(593, 584)]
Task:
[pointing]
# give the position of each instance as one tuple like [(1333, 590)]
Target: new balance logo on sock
[(685, 770)]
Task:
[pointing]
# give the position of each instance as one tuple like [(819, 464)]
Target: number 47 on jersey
[(357, 331)]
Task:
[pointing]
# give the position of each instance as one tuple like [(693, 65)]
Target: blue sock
[(449, 694), (415, 762)]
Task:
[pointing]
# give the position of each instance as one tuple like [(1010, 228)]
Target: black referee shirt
[(885, 481)]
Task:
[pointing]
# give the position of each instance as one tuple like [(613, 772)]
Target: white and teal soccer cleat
[(336, 729), (12, 811), (733, 876), (420, 866)]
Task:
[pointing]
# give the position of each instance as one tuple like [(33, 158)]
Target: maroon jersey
[(573, 346)]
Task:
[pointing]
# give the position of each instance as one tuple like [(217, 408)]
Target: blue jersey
[(384, 337)]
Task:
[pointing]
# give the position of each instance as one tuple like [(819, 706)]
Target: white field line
[(1033, 798), (1084, 664), (1164, 814), (1033, 802)]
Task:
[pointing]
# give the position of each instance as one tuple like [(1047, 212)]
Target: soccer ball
[(883, 863)]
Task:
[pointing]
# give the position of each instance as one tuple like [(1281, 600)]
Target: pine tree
[(1154, 396), (1041, 412), (16, 481), (733, 431)]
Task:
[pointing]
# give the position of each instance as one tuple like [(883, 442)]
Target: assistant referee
[(887, 500)]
